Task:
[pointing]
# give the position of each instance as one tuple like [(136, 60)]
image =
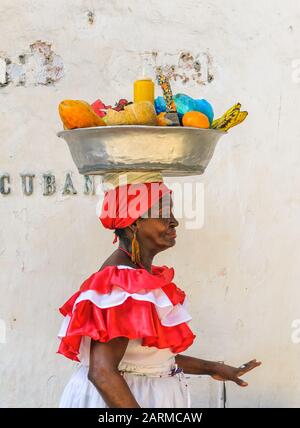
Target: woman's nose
[(173, 220)]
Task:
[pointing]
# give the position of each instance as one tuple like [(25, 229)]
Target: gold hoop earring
[(135, 250)]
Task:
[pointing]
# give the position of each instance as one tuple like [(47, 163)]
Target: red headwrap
[(125, 204)]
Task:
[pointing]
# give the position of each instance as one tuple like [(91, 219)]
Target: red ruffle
[(133, 319), (130, 280)]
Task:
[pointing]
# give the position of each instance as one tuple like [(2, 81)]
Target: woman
[(128, 323)]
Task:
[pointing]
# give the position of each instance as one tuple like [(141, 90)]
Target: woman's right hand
[(224, 372)]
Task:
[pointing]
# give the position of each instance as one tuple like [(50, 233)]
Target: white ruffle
[(64, 327), (168, 314), (117, 296)]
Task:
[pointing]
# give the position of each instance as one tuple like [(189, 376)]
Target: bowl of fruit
[(174, 135)]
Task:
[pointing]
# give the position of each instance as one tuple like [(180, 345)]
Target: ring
[(242, 366)]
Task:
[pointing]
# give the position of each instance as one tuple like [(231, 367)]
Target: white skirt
[(151, 374)]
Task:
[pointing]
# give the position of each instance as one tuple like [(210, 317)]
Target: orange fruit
[(161, 119), (78, 114), (195, 119)]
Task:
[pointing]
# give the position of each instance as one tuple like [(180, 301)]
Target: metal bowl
[(175, 151)]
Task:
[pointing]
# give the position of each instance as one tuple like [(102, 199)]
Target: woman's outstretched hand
[(224, 372)]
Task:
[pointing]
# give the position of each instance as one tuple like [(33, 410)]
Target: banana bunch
[(231, 118)]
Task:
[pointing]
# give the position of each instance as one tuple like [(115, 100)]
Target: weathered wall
[(241, 268)]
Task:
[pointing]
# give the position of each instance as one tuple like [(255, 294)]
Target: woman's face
[(156, 228)]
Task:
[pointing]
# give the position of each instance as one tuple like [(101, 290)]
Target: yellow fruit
[(143, 111), (195, 119), (140, 113), (114, 117), (78, 114), (230, 118)]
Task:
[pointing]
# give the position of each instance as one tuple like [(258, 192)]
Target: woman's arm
[(104, 373), (218, 371), (192, 365)]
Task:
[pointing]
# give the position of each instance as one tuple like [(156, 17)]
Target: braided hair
[(122, 235)]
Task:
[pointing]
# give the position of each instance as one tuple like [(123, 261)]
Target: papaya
[(78, 114)]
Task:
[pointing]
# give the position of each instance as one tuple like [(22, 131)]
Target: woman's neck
[(146, 255)]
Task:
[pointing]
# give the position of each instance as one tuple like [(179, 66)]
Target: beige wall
[(241, 268)]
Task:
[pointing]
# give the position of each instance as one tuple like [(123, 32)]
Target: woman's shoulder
[(117, 260), (116, 265)]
